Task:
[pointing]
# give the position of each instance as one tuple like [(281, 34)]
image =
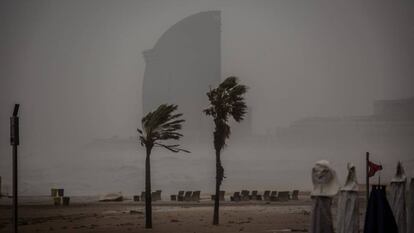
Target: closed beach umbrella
[(411, 207), (379, 217), (325, 186), (397, 198), (348, 204)]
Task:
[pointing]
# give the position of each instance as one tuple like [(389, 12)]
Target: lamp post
[(14, 142)]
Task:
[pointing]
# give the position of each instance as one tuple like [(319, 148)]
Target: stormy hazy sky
[(76, 67)]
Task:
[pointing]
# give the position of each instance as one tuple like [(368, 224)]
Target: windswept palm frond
[(160, 125), (226, 100)]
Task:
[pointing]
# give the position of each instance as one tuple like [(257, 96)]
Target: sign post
[(14, 142)]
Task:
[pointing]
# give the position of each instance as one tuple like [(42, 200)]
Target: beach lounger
[(156, 196), (273, 196), (196, 196), (283, 196), (254, 195), (136, 197), (187, 196), (180, 196), (266, 195), (245, 195), (236, 197), (295, 195), (222, 193)]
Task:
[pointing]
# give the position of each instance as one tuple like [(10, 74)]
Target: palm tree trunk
[(148, 206), (218, 183)]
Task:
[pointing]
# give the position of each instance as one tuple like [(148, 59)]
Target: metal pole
[(14, 141), (367, 178), (15, 201)]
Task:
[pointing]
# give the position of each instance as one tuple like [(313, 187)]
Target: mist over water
[(116, 165), (82, 73)]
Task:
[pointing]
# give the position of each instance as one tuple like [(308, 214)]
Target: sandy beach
[(128, 216)]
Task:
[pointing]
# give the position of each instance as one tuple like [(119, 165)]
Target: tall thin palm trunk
[(226, 100), (218, 182), (148, 207), (157, 126)]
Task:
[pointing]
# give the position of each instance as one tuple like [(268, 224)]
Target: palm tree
[(225, 101), (159, 125)]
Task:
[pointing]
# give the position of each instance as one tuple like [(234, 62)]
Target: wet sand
[(128, 216)]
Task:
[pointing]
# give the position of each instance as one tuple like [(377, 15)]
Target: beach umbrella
[(411, 207), (397, 198), (348, 204), (325, 186), (379, 217)]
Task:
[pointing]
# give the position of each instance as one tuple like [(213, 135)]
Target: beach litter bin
[(53, 192), (57, 201), (61, 192), (65, 201)]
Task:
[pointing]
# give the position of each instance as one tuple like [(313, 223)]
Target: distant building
[(391, 123), (183, 65), (400, 109)]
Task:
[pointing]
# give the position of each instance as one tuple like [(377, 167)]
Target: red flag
[(373, 168)]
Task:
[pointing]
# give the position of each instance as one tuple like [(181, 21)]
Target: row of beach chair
[(186, 196), (155, 196), (268, 195), (244, 195)]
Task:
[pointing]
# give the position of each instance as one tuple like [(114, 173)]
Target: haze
[(77, 69)]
